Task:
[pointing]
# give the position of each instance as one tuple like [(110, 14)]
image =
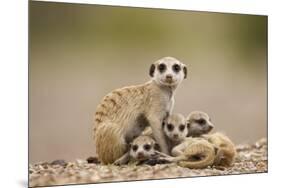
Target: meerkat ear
[(185, 71), (163, 124), (157, 147), (152, 70)]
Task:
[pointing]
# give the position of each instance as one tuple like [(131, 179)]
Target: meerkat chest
[(167, 105), (170, 105)]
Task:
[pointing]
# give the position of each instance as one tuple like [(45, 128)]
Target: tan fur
[(226, 149), (196, 147), (124, 113), (147, 132)]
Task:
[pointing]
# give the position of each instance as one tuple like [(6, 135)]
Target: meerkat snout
[(210, 127), (168, 71), (176, 136), (169, 78), (140, 155)]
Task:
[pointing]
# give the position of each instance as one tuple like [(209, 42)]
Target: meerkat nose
[(210, 127), (169, 76), (140, 154), (176, 135)]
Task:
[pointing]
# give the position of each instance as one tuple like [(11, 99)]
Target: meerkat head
[(143, 148), (174, 128), (198, 123), (168, 71)]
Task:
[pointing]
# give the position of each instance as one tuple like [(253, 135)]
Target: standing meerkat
[(199, 125), (124, 113), (186, 151)]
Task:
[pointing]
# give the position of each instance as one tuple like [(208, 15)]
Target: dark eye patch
[(176, 68), (157, 147), (162, 67), (201, 121), (181, 127), (170, 127), (147, 147), (135, 147)]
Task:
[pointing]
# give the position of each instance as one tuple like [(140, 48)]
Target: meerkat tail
[(199, 149), (109, 152)]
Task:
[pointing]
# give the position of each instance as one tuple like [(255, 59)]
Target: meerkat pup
[(187, 152), (199, 125), (142, 148), (124, 113), (175, 130)]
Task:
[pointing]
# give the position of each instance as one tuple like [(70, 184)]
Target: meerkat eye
[(147, 147), (181, 127), (135, 147), (170, 127), (201, 121), (176, 68), (161, 68)]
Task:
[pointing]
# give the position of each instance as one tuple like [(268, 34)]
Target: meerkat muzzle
[(140, 155), (169, 78)]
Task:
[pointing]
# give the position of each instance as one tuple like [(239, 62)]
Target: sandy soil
[(250, 159)]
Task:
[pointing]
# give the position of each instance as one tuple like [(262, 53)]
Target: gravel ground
[(250, 159)]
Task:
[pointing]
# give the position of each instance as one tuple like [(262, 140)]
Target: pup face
[(168, 71), (175, 128), (143, 147), (198, 123)]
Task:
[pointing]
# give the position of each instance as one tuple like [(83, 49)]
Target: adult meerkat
[(123, 114), (186, 151), (199, 125), (142, 148)]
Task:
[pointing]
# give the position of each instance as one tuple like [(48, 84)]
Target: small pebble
[(59, 162), (93, 160)]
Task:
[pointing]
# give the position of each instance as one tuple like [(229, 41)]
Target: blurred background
[(79, 53)]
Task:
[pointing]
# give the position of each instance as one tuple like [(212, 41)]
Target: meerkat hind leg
[(112, 148)]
